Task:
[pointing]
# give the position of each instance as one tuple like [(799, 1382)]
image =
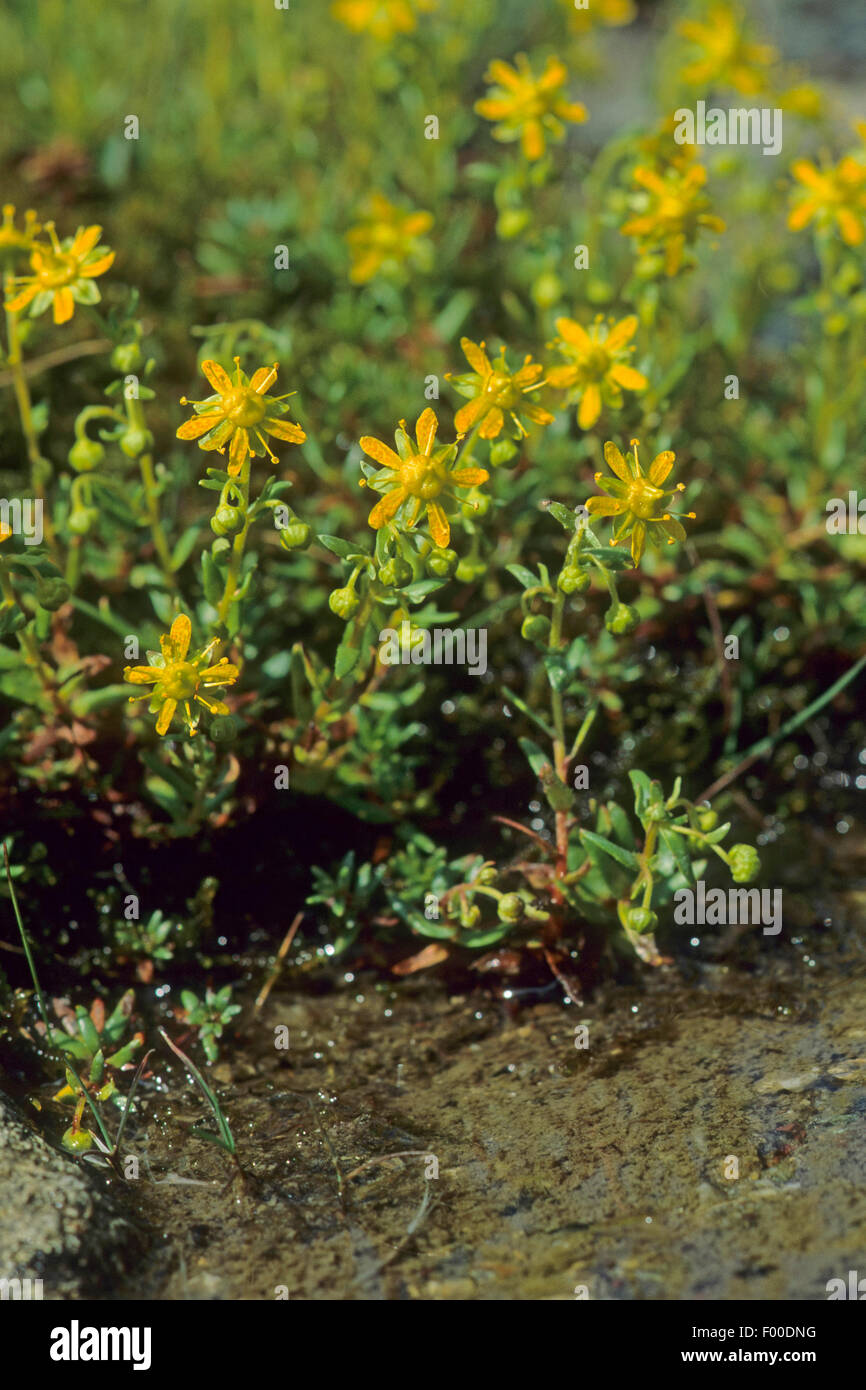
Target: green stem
[(237, 553), (135, 414), (15, 362), (29, 646)]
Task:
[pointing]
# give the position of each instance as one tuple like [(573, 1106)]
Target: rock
[(58, 1220), (779, 1081)]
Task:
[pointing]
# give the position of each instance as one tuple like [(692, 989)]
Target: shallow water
[(608, 1168)]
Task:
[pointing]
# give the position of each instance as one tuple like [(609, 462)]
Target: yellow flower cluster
[(528, 108), (833, 196), (383, 19), (61, 272), (178, 678), (674, 210)]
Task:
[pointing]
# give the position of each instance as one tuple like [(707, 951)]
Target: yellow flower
[(528, 108), (727, 58), (381, 18), (240, 415), (63, 274), (674, 212), (385, 239), (420, 474), (803, 100), (494, 391), (597, 369), (14, 243), (613, 14), (176, 680), (831, 195), (635, 496)]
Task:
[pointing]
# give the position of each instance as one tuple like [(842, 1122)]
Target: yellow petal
[(238, 450), (98, 267), (590, 407), (197, 426), (166, 714), (438, 522), (620, 333), (142, 675), (22, 298), (284, 429), (850, 226), (224, 673), (263, 378), (476, 356), (425, 430), (604, 506), (532, 140), (179, 636), (493, 423), (64, 305), (469, 477), (85, 240), (661, 467), (615, 462), (503, 74), (469, 414), (562, 377), (382, 453), (386, 507), (575, 333), (218, 378), (628, 377), (802, 213)]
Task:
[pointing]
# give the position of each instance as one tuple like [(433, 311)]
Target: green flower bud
[(512, 221), (227, 521), (81, 519), (396, 573), (479, 506), (296, 536), (573, 580), (487, 876), (223, 728), (469, 570), (621, 618), (126, 357), (135, 442), (535, 627), (51, 594), (707, 821), (86, 454), (744, 862), (510, 907), (441, 564), (640, 919), (77, 1141), (470, 916), (344, 602), (547, 290)]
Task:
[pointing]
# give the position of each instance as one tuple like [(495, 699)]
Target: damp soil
[(707, 1143)]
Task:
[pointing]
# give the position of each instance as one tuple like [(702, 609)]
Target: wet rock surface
[(58, 1222), (708, 1143)]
